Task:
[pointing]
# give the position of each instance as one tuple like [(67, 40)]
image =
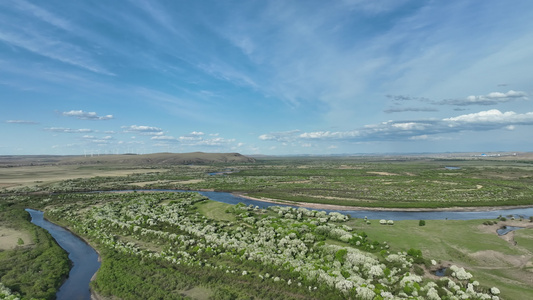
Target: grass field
[(505, 262), (350, 181), (469, 244), (216, 211)]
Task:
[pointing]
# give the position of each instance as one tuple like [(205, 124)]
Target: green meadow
[(203, 269)]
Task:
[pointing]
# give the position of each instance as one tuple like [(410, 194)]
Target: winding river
[(395, 215), (85, 259)]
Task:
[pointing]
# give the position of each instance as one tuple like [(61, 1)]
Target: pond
[(84, 259), (441, 272), (506, 229), (452, 168)]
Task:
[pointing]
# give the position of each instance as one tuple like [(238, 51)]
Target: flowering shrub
[(288, 241), (7, 294)]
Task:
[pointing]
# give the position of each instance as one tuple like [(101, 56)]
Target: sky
[(265, 77)]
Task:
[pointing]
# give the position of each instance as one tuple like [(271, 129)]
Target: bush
[(418, 270), (421, 223)]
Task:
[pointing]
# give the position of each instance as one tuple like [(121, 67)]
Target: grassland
[(491, 258), (391, 182), (31, 262), (355, 182)]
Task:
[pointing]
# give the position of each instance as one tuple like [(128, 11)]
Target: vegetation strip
[(309, 253)]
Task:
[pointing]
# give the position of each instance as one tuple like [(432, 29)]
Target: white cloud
[(279, 136), (40, 44), (412, 109), (414, 129), (22, 122), (189, 138), (409, 126), (216, 142), (42, 14), (419, 137), (143, 130), (330, 135), (198, 139), (492, 116), (68, 130), (164, 138), (82, 115), (489, 99)]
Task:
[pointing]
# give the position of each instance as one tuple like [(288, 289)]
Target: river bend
[(84, 259)]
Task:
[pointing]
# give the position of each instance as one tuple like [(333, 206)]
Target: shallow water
[(506, 229), (84, 259), (441, 272)]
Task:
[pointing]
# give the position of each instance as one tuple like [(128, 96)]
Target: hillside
[(128, 159)]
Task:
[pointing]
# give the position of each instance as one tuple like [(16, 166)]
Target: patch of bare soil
[(490, 259), (33, 175), (145, 183), (9, 238), (332, 198), (345, 167), (191, 181), (478, 187), (346, 207), (297, 181), (509, 237), (383, 173), (6, 185), (513, 266)]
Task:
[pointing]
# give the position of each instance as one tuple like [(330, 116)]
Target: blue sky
[(265, 77)]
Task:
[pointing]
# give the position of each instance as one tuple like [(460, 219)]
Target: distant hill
[(128, 159)]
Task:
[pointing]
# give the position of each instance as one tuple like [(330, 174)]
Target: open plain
[(404, 183)]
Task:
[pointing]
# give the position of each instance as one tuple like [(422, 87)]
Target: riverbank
[(349, 208), (85, 259), (93, 293)]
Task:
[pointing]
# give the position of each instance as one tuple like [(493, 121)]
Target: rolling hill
[(155, 159)]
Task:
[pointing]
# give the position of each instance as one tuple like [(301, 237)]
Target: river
[(84, 259), (395, 215)]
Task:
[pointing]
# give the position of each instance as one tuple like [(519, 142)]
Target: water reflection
[(84, 259)]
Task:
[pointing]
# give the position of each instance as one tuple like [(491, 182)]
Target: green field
[(469, 243), (359, 181), (174, 241)]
